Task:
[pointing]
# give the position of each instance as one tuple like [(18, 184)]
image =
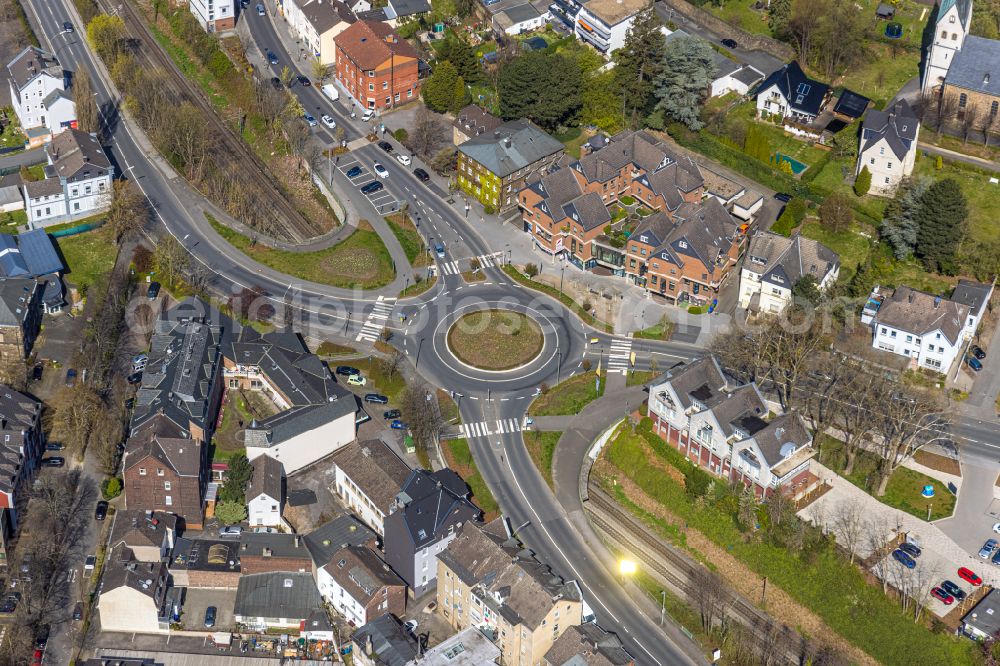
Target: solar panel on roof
[(803, 89)]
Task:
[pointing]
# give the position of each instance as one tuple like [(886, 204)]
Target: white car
[(411, 626), (328, 121), (996, 527), (380, 171), (403, 159), (90, 563)]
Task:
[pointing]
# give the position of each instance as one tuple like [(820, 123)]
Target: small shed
[(885, 11)]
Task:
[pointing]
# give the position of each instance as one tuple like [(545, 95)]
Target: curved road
[(495, 401)]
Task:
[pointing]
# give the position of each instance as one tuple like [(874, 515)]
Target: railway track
[(626, 530), (229, 152)]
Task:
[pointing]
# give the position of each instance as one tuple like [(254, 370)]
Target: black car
[(271, 58), (347, 370), (67, 26), (421, 175), (781, 196), (54, 461), (276, 82), (36, 372), (729, 43), (101, 511), (385, 145), (910, 549), (354, 172), (53, 447), (953, 590), (42, 637), (153, 291), (78, 611), (210, 616), (135, 377), (377, 398), (130, 403), (372, 187), (304, 81), (392, 414), (978, 352)]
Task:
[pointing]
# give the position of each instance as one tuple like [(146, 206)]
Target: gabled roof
[(587, 645), (121, 569), (38, 253), (921, 313), (474, 120), (430, 503), (15, 296), (361, 573), (182, 456), (792, 258), (700, 381), (898, 125), (369, 44), (328, 538), (976, 66), (73, 151), (375, 469), (390, 640), (740, 411), (653, 230), (325, 14), (974, 294), (513, 145), (138, 528), (803, 94), (706, 231), (782, 436), (31, 62), (267, 479)]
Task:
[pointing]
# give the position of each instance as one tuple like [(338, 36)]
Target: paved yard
[(320, 479), (197, 600)]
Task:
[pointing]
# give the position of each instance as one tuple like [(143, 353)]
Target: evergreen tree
[(439, 88), (863, 182), (463, 56), (460, 96), (637, 65), (942, 218), (806, 289), (543, 87), (778, 13), (900, 221), (685, 79)]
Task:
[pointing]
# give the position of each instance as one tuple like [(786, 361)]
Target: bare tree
[(970, 120), (429, 133), (390, 365), (908, 420), (74, 415), (128, 211), (87, 117), (862, 389), (922, 579), (268, 101), (170, 259), (947, 108), (710, 595), (420, 411), (849, 525)]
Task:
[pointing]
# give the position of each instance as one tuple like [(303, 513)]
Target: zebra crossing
[(486, 428), (454, 267), (620, 355), (376, 320)]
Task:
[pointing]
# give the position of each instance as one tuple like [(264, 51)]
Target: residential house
[(519, 19), (357, 6), (269, 601), (429, 510), (316, 415), (404, 9), (888, 146), (330, 537), (729, 75), (384, 641), (359, 585), (982, 623), (473, 121), (317, 23), (375, 66), (789, 94), (952, 25), (265, 492), (150, 535), (774, 264), (469, 647), (20, 323), (214, 15), (587, 645), (38, 94), (726, 429), (132, 594), (166, 474), (212, 564), (26, 257), (368, 478), (930, 330), (271, 553), (977, 296), (77, 183), (21, 447), (604, 23), (488, 581), (494, 167)]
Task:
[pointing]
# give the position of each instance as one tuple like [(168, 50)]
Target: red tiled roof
[(369, 44)]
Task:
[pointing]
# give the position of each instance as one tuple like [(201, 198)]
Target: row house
[(21, 442), (726, 429), (317, 23)]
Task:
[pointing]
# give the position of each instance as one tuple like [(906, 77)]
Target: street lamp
[(562, 272), (420, 346)]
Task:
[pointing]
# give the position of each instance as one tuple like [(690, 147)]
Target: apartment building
[(359, 585), (38, 94), (604, 23), (368, 477), (376, 67), (166, 474), (78, 181), (21, 444), (214, 15), (317, 23)]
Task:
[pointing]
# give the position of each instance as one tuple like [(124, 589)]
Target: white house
[(38, 93), (725, 429), (604, 23), (789, 93), (773, 264), (359, 585), (297, 438), (368, 476), (264, 494), (132, 594), (954, 18), (317, 23), (78, 181), (930, 330), (730, 75), (214, 15), (519, 19), (888, 146)]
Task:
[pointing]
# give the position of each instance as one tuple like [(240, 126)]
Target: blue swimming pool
[(797, 167)]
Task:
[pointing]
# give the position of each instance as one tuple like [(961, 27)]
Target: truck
[(331, 91)]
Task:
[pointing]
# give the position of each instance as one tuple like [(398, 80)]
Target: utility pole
[(663, 605), (559, 365)]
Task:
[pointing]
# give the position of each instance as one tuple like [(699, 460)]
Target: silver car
[(988, 549)]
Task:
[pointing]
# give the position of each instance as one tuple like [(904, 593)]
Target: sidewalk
[(25, 158), (960, 157)]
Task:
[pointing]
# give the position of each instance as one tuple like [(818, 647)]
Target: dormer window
[(682, 244)]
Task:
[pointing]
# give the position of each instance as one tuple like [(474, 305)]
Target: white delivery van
[(331, 91)]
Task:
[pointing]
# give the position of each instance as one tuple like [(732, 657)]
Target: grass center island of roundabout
[(495, 340)]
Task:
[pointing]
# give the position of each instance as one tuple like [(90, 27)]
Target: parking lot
[(196, 600), (382, 200)]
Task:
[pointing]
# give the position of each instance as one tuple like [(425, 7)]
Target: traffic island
[(495, 340)]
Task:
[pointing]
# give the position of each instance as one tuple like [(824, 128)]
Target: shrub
[(587, 305), (489, 209), (401, 135), (785, 223), (111, 488), (863, 182), (230, 513), (586, 365), (531, 270), (142, 259)]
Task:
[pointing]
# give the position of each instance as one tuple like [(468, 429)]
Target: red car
[(969, 576), (945, 598), (38, 658)]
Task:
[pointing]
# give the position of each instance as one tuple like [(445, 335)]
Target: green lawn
[(659, 331), (878, 75), (12, 134), (380, 380), (460, 459), (639, 377), (568, 397), (225, 441), (89, 257), (418, 288), (542, 447), (779, 140), (408, 237), (852, 247), (360, 261), (905, 485), (983, 198), (573, 138), (327, 348)]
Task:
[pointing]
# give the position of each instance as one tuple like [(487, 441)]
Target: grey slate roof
[(802, 93), (277, 595), (30, 254), (748, 76), (121, 569), (701, 380), (330, 537), (431, 502), (136, 527), (43, 188), (268, 478), (273, 545), (16, 294), (985, 615), (361, 572), (898, 125), (705, 232), (723, 66), (920, 313), (587, 645), (528, 144), (780, 431), (325, 14), (375, 469), (792, 258), (473, 121), (976, 66), (394, 645), (409, 7), (974, 294), (30, 62), (73, 151), (516, 14)]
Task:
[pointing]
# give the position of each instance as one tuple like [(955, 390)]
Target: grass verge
[(327, 348), (418, 288), (409, 239), (568, 397), (663, 330), (542, 447), (574, 307), (459, 458)]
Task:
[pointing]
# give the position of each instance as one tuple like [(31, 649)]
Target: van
[(331, 91), (367, 115)]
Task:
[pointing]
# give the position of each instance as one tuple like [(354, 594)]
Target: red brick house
[(377, 67), (166, 474)]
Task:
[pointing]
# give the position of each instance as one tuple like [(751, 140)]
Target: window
[(887, 180), (963, 99), (954, 36), (166, 485), (994, 108), (892, 334), (159, 472), (142, 471), (883, 330), (371, 86), (944, 33), (385, 85), (888, 165), (881, 150), (371, 73), (872, 161), (168, 500)]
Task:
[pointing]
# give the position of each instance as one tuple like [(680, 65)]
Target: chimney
[(298, 540), (506, 141), (986, 79), (496, 135)]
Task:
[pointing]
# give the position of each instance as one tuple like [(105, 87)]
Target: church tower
[(953, 20)]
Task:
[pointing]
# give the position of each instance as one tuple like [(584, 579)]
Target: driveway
[(196, 600), (976, 510)]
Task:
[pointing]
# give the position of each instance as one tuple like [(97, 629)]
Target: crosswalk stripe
[(373, 324)]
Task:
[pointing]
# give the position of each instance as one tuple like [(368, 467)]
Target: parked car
[(421, 175), (411, 626), (367, 115), (391, 414), (347, 370), (276, 82), (90, 563), (78, 611), (403, 159), (54, 461), (37, 657), (385, 145), (304, 81), (904, 559), (942, 596), (969, 576), (782, 197), (310, 119), (230, 532), (70, 377), (397, 425), (354, 172), (139, 362), (328, 121), (988, 548), (101, 510), (910, 549), (42, 637), (953, 589), (52, 446), (153, 291), (135, 377), (372, 187), (377, 398), (380, 171), (730, 43), (996, 558), (210, 616), (977, 351), (996, 527), (974, 363), (36, 372), (356, 380), (67, 26)]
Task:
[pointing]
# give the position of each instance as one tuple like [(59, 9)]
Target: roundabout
[(495, 340)]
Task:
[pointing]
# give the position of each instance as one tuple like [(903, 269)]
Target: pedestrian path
[(620, 355), (455, 267), (486, 428), (376, 320)]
